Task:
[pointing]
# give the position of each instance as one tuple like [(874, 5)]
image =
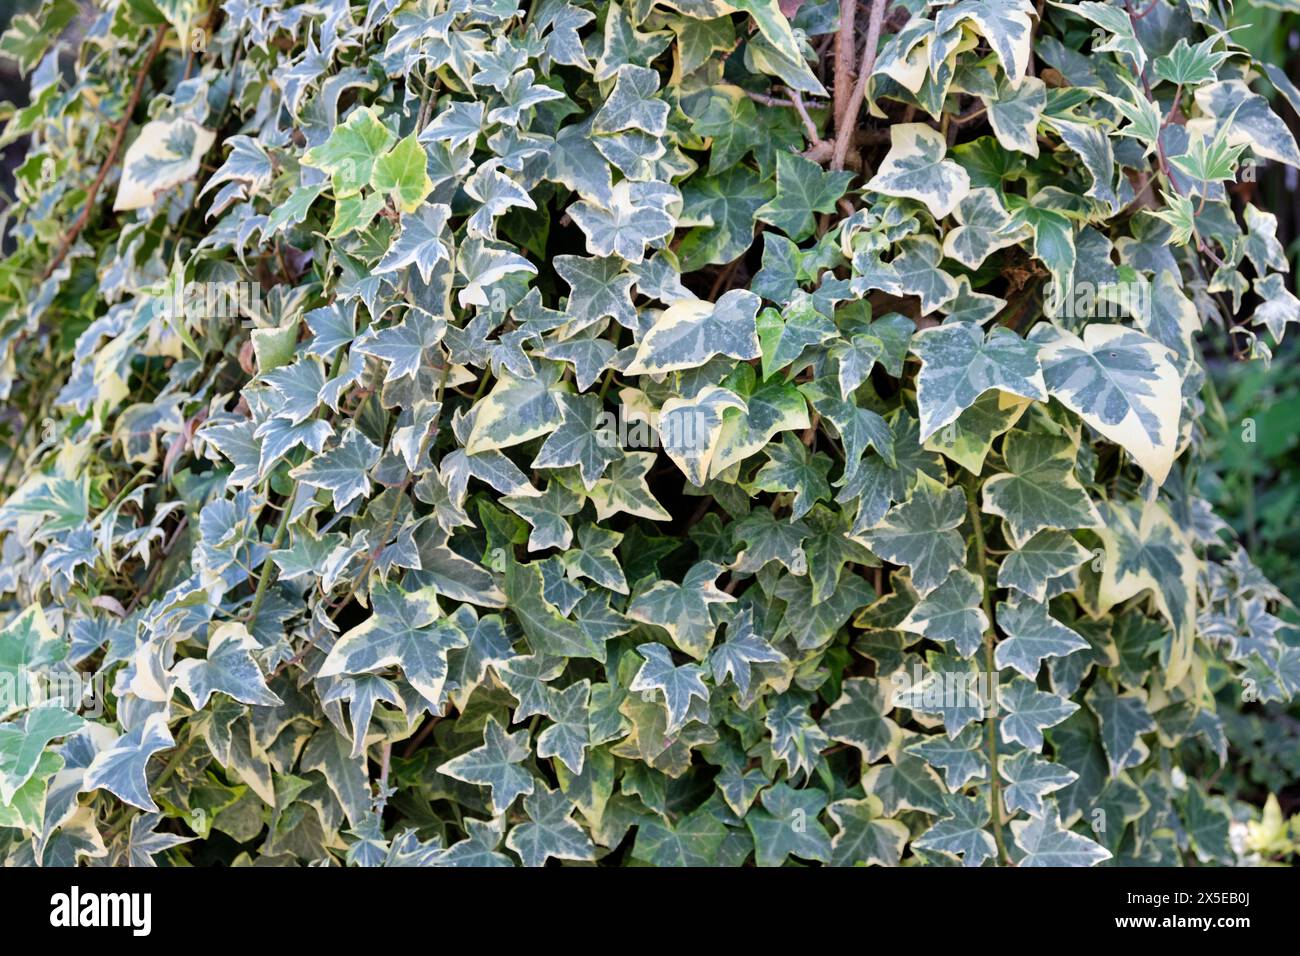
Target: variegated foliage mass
[(561, 459)]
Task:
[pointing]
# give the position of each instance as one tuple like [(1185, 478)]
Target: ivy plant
[(673, 432)]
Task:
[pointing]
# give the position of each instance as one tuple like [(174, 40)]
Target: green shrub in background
[(452, 433)]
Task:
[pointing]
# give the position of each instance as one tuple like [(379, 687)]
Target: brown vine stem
[(111, 160), (844, 43), (846, 121), (990, 721)]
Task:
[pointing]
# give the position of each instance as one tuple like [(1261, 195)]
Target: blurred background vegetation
[(1253, 473)]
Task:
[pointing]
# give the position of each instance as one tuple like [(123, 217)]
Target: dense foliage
[(679, 432)]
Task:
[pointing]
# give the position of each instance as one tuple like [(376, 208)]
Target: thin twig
[(809, 126), (111, 160)]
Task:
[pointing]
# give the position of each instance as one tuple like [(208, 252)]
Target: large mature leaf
[(1121, 383), (1146, 551), (549, 832)]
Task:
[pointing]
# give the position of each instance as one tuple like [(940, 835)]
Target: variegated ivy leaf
[(547, 513), (496, 765), (969, 439), (785, 338), (916, 271), (1043, 558), (921, 533), (582, 439), (1029, 778), (1278, 307), (790, 468), (1039, 489), (27, 644), (787, 825), (691, 331), (420, 242), (1120, 382), (624, 489), (915, 168), (550, 371), (145, 842), (802, 189), (479, 849), (1188, 65), (683, 609), (1027, 711), (406, 630), (1015, 112), (120, 768), (906, 783), (496, 194), (694, 840), (771, 408), (229, 668), (483, 264), (1146, 551), (1115, 21), (691, 429), (866, 835), (959, 363), (744, 647), (598, 288), (568, 737), (1032, 635), (1122, 719), (971, 306), (404, 346), (677, 685), (951, 612), (637, 214), (1249, 120), (984, 227), (962, 831), (350, 153), (22, 747), (962, 758), (515, 411), (400, 172), (632, 104), (163, 155), (343, 470), (859, 717), (1045, 843), (1005, 24)]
